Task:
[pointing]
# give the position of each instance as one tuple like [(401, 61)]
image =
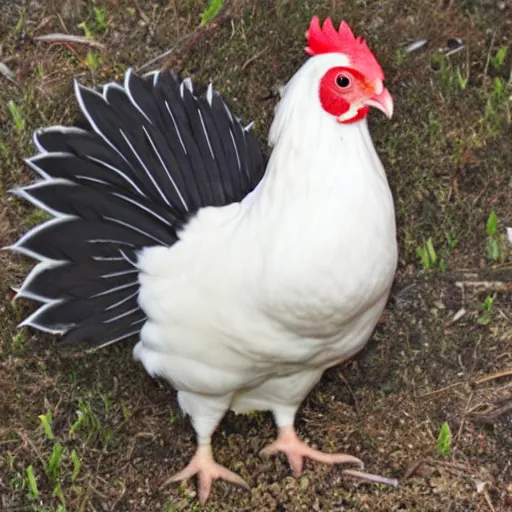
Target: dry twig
[(69, 38), (253, 58), (494, 376), (441, 390)]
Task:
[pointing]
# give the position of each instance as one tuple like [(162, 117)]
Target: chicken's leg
[(205, 412)]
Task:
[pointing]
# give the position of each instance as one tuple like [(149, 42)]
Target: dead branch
[(69, 38)]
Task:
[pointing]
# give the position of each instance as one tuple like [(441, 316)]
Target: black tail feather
[(149, 155)]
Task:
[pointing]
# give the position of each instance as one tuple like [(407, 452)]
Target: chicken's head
[(348, 91)]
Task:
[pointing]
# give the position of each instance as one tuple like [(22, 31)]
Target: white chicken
[(244, 286)]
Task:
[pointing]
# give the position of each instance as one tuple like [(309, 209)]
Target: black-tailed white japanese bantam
[(243, 283)]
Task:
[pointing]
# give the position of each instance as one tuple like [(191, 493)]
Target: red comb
[(327, 39)]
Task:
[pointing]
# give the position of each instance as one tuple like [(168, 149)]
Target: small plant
[(462, 81), (100, 16), (19, 122), (87, 31), (37, 216), (492, 245), (19, 339), (57, 492), (87, 419), (39, 71), (486, 315), (214, 6), (88, 423), (33, 492), (76, 465), (92, 61), (496, 247), (21, 21), (427, 254), (444, 440), (54, 463), (46, 422), (17, 481), (497, 110), (499, 58), (400, 56)]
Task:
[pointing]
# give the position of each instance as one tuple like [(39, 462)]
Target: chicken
[(244, 281)]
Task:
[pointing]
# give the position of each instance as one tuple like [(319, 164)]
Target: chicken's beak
[(382, 101)]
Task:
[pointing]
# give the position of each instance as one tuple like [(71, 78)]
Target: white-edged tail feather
[(152, 154)]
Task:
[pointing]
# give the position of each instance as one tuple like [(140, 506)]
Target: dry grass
[(448, 156)]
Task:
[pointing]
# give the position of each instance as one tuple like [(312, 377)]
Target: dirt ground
[(92, 432)]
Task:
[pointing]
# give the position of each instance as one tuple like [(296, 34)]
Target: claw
[(295, 449), (207, 470)]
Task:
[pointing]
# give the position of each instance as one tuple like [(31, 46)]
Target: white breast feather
[(288, 282)]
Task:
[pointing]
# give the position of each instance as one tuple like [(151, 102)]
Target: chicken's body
[(220, 328), (245, 305)]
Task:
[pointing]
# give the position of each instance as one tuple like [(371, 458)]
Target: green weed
[(33, 492), (87, 31), (37, 216), (93, 61), (19, 122), (214, 6), (462, 81), (486, 316), (57, 492), (19, 339), (53, 467), (21, 21), (17, 481), (497, 110), (38, 71), (400, 56), (76, 465), (46, 422), (429, 258), (89, 424), (444, 440), (498, 59), (495, 243), (100, 19)]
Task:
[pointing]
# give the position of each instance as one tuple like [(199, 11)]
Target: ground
[(91, 431)]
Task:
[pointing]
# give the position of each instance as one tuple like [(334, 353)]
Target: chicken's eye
[(342, 81)]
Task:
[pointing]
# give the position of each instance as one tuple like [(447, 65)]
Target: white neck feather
[(315, 157)]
